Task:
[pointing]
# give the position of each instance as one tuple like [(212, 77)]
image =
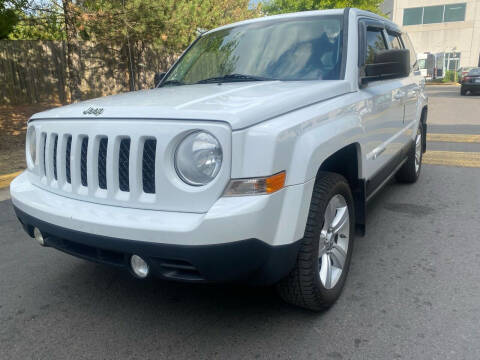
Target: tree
[(9, 16), (128, 27), (73, 50), (286, 6), (168, 25), (39, 20)]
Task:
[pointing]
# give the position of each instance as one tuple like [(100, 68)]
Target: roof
[(358, 12), (281, 17)]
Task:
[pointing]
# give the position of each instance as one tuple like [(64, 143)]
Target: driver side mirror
[(157, 79), (387, 64)]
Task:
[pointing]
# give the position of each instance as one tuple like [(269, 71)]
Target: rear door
[(411, 88)]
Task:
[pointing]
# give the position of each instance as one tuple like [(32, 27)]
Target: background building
[(448, 29), (387, 8)]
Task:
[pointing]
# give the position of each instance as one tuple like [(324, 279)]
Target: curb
[(5, 180), (441, 84)]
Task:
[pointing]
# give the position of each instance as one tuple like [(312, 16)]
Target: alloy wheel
[(334, 241), (418, 150)]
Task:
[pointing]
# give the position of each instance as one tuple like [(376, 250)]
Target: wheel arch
[(340, 162)]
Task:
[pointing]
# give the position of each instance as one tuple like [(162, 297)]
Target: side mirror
[(158, 78), (387, 64)]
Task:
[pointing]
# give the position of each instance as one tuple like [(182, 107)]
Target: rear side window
[(394, 41), (413, 55), (375, 43)]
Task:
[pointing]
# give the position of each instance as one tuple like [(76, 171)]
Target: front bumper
[(251, 239)]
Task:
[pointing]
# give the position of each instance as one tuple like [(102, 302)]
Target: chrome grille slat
[(75, 162), (49, 156), (135, 167), (60, 159)]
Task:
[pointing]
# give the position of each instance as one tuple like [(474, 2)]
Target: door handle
[(378, 152)]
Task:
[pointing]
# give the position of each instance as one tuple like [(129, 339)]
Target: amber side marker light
[(256, 186)]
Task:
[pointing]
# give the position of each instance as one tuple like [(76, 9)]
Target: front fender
[(297, 142)]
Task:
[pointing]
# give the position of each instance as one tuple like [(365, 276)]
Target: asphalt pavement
[(413, 291)]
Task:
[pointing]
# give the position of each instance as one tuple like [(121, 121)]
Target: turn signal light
[(256, 186), (275, 182)]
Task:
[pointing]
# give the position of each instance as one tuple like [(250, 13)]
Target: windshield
[(474, 72), (292, 49)]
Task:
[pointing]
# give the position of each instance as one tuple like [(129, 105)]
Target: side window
[(375, 43), (394, 41), (413, 56)]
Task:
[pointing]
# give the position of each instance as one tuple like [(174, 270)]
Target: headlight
[(32, 143), (198, 158)]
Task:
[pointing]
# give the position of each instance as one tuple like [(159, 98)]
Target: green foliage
[(33, 20), (44, 27), (8, 20), (169, 24), (9, 16), (450, 76), (286, 6)]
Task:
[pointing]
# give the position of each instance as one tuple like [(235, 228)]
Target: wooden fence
[(36, 71)]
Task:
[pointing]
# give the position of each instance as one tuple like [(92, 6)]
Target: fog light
[(37, 234), (139, 266)]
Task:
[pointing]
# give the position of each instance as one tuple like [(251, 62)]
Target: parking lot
[(413, 291)]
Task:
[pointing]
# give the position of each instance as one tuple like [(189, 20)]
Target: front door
[(383, 121)]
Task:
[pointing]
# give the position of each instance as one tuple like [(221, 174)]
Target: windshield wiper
[(173, 82), (233, 78)]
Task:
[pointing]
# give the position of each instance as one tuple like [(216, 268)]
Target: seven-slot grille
[(59, 159), (127, 163)]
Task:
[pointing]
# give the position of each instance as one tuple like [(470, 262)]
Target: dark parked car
[(471, 82), (461, 72)]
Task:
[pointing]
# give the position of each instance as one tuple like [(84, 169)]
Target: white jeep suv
[(252, 160)]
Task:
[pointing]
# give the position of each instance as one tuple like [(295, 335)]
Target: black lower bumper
[(473, 87), (252, 261)]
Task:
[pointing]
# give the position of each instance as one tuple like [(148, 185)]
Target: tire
[(410, 171), (463, 92), (305, 286)]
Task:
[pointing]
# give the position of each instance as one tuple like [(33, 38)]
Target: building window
[(455, 12), (422, 64), (412, 16), (434, 14), (452, 61)]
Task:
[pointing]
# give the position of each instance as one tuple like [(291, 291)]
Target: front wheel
[(317, 279)]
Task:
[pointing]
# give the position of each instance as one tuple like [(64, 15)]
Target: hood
[(241, 104)]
